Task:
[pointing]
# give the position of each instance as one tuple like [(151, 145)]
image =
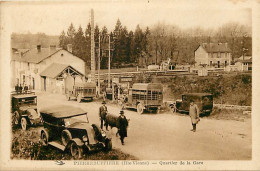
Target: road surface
[(168, 137)]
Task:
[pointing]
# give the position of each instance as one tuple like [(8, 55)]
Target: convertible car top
[(63, 111)]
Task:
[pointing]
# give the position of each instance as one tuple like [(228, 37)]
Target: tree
[(71, 33), (79, 44), (63, 40)]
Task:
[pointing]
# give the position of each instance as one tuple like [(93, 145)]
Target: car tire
[(67, 97), (44, 137), (173, 108), (108, 145), (24, 123), (66, 137), (16, 118), (140, 108), (76, 151)]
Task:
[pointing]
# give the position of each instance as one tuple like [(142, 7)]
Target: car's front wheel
[(76, 151), (24, 123), (45, 138)]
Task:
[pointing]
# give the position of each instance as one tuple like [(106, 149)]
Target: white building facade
[(26, 68)]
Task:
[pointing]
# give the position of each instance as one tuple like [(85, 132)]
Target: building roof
[(216, 47), (54, 70), (197, 94), (145, 86), (34, 55), (63, 111), (245, 60)]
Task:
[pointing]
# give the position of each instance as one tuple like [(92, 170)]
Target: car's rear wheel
[(45, 138), (16, 118), (65, 137), (140, 108), (173, 108), (24, 123), (75, 151), (67, 97)]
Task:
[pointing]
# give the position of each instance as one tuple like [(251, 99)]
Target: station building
[(46, 69)]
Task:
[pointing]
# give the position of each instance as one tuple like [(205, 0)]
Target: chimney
[(39, 48), (69, 48)]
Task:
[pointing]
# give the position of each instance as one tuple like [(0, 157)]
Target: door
[(33, 81), (218, 64), (43, 83)]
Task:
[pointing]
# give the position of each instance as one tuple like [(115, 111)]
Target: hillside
[(28, 41)]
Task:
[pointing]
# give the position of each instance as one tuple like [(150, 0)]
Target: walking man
[(122, 126), (194, 115), (102, 114)]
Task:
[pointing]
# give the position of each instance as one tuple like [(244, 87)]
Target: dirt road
[(168, 136)]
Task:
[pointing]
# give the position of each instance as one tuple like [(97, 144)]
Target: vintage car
[(68, 128), (204, 102), (145, 96), (24, 110), (82, 91)]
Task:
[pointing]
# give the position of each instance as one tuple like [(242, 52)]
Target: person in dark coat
[(17, 88), (102, 114), (122, 126), (194, 115)]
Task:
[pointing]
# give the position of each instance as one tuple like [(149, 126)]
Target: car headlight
[(85, 138)]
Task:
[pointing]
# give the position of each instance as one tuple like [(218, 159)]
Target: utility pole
[(99, 65), (109, 61), (93, 68)]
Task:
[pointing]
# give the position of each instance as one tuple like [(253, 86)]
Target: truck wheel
[(79, 98), (173, 108), (108, 145), (45, 138), (16, 118), (76, 151), (24, 123), (65, 137), (140, 108), (67, 97)]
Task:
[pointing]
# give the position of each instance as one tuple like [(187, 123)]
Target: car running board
[(57, 145)]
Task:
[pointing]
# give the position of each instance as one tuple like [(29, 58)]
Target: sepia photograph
[(129, 85)]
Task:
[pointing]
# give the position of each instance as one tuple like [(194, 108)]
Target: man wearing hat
[(122, 126), (194, 115), (102, 113)]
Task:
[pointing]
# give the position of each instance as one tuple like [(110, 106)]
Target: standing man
[(102, 113), (194, 115), (122, 126)]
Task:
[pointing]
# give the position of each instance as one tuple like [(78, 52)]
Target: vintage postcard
[(130, 85)]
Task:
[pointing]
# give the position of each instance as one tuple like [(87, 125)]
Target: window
[(210, 63)]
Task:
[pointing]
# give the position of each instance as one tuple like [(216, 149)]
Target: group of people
[(121, 121), (20, 88)]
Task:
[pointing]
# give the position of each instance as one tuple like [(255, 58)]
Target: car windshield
[(27, 100), (73, 120)]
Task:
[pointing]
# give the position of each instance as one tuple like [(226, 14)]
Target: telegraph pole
[(93, 68), (109, 61), (99, 65)]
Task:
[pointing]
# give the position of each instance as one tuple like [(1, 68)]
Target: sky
[(53, 17)]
